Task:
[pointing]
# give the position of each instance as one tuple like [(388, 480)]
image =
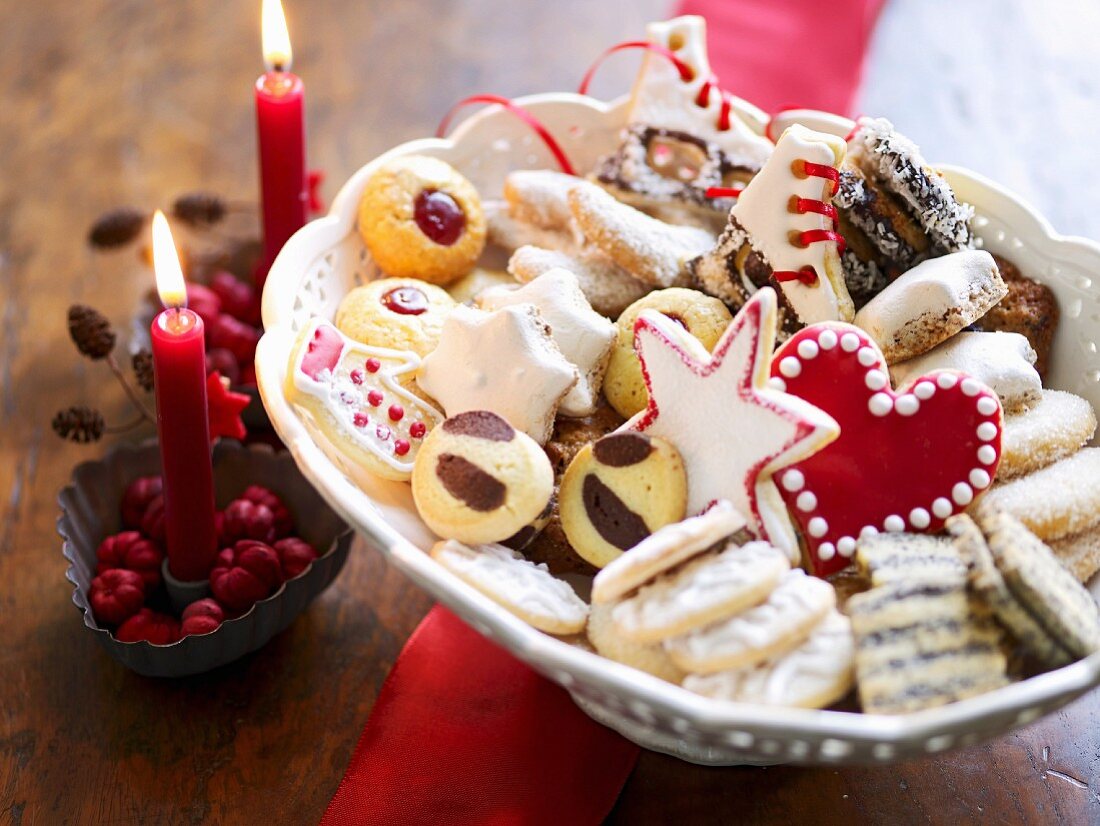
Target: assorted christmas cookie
[(617, 491), (399, 313), (466, 289), (1079, 553), (608, 287), (520, 587), (904, 461), (505, 361), (732, 429), (883, 558), (704, 317), (932, 302), (582, 335), (540, 197), (1029, 309), (1057, 426), (650, 658), (421, 219), (785, 217), (477, 479), (355, 395)]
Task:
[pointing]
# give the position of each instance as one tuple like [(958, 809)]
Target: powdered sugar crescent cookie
[(1002, 361), (1057, 426), (664, 549), (816, 674), (355, 395), (421, 219), (583, 336), (608, 287), (521, 587), (619, 490), (402, 313), (466, 289), (704, 317), (652, 251), (505, 361), (540, 197), (932, 302), (608, 642), (509, 233), (705, 590), (778, 624), (1079, 553), (1056, 501), (477, 479)]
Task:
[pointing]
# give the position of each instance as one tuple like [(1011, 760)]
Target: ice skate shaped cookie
[(785, 216)]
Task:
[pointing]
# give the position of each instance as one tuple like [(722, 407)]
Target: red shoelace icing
[(524, 115), (724, 191), (807, 275)]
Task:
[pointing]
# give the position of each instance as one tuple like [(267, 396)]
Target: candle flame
[(166, 264), (275, 37)]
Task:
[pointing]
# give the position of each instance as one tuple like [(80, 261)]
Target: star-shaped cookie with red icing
[(732, 430)]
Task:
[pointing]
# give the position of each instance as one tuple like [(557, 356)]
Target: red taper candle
[(281, 134), (179, 365)]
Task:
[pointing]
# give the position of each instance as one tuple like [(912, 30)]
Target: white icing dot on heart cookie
[(971, 387), (827, 340), (924, 390), (987, 405), (846, 545), (942, 507), (826, 550), (849, 342), (987, 431), (817, 527), (790, 367), (907, 405), (806, 501), (868, 531), (987, 455), (919, 518), (808, 349), (947, 380), (880, 404), (876, 379), (776, 383), (793, 480), (979, 478), (867, 356), (893, 523), (962, 494)]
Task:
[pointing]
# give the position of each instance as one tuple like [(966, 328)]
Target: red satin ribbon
[(464, 733)]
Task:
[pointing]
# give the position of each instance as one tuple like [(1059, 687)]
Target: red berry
[(375, 398), (360, 419), (284, 523), (248, 520), (116, 595), (244, 574), (222, 360), (204, 301), (295, 555), (417, 430), (152, 523), (239, 299), (373, 365), (235, 336), (401, 447), (132, 551), (136, 499), (150, 626), (382, 432), (201, 617), (356, 376), (397, 412)]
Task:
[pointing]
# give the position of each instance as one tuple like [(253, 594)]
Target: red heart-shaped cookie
[(904, 461)]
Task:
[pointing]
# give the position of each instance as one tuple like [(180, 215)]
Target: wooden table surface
[(108, 103)]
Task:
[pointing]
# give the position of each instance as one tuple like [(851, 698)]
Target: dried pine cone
[(79, 424), (199, 208), (91, 332), (142, 362), (116, 228)]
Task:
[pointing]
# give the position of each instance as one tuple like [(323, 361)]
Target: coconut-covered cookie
[(704, 317), (421, 219), (619, 490), (401, 313), (479, 480)]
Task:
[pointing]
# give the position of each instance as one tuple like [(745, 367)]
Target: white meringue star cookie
[(662, 98), (505, 362), (584, 336), (732, 430)]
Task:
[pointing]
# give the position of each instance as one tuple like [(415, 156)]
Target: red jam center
[(406, 301), (439, 216), (677, 318)]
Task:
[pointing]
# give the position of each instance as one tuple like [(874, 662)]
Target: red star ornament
[(224, 408), (732, 430)]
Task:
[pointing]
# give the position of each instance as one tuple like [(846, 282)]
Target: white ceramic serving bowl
[(326, 259)]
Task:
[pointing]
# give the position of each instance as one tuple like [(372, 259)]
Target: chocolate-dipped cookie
[(479, 480), (617, 491)]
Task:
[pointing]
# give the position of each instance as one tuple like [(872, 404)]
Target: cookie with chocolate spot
[(479, 480), (617, 491)]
